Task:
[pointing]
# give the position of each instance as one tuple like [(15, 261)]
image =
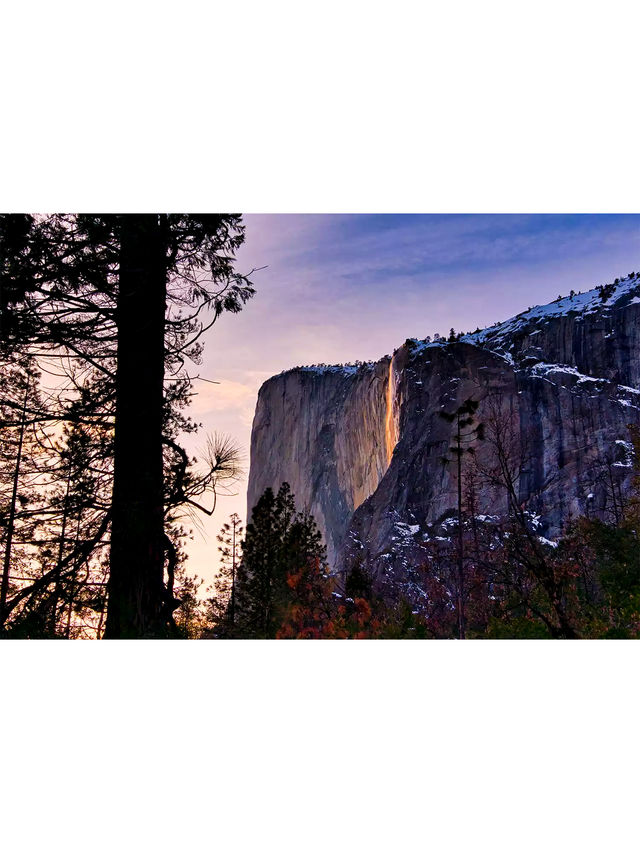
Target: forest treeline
[(493, 578), (100, 318), (470, 575)]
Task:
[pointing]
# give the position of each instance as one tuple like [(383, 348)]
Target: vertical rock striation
[(325, 431)]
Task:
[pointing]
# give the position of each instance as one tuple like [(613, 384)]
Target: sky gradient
[(338, 288)]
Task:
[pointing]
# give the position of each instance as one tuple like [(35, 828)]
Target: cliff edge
[(362, 446)]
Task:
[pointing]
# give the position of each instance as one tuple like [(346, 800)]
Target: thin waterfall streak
[(391, 436)]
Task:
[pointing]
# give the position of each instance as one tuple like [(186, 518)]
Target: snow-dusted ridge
[(599, 300), (348, 369), (499, 337), (622, 292)]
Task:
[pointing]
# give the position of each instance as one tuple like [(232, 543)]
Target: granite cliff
[(362, 446)]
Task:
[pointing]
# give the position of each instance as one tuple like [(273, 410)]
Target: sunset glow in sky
[(339, 288)]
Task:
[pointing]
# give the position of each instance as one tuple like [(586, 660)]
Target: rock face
[(322, 430), (362, 446)]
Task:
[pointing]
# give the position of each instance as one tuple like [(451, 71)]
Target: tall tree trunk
[(74, 576), (63, 534), (233, 576), (99, 635), (6, 566), (137, 597)]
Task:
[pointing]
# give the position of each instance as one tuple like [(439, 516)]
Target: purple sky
[(345, 287)]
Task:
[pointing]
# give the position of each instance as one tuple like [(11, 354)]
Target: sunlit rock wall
[(325, 431)]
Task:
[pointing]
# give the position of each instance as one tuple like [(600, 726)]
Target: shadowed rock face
[(362, 448)]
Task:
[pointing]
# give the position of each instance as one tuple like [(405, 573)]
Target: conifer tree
[(124, 297), (467, 432), (222, 604), (279, 540), (19, 472)]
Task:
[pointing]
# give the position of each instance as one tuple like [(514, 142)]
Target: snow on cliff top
[(321, 369), (625, 291), (591, 302)]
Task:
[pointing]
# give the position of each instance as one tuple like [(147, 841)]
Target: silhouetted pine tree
[(279, 540), (222, 604), (467, 431), (124, 296)]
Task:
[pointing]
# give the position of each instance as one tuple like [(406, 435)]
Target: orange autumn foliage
[(316, 611)]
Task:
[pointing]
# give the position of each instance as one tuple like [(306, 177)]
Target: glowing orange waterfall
[(390, 430)]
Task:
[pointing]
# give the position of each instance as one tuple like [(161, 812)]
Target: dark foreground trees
[(285, 590), (118, 303), (279, 539), (222, 605), (518, 585)]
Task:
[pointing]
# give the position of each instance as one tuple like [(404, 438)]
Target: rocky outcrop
[(363, 446), (599, 337), (322, 430)]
